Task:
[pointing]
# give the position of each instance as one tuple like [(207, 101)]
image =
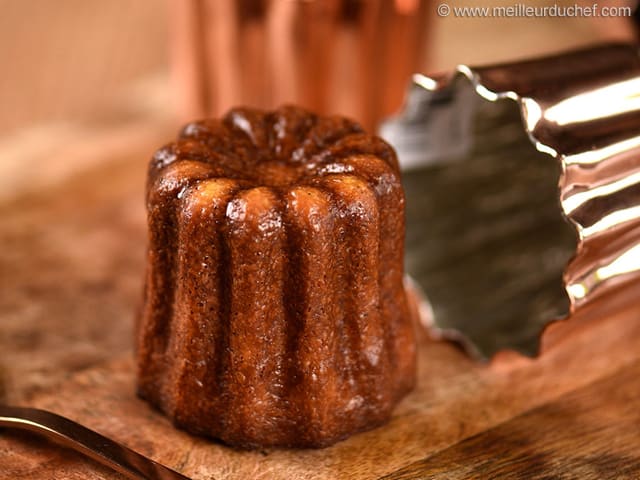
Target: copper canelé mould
[(523, 185)]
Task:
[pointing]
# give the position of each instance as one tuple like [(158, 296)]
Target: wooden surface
[(71, 268), (599, 440)]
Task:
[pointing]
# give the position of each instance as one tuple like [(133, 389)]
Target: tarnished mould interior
[(503, 237)]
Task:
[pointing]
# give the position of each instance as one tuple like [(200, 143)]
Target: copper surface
[(582, 108), (350, 57)]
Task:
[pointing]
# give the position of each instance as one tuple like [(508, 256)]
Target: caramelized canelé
[(274, 310)]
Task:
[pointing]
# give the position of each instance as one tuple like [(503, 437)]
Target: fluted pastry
[(274, 310)]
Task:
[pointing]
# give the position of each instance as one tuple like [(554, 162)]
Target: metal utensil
[(70, 434)]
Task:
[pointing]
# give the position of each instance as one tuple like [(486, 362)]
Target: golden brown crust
[(275, 313)]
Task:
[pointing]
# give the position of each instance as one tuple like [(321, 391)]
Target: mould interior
[(487, 241)]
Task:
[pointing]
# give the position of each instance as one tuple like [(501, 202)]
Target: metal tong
[(70, 434)]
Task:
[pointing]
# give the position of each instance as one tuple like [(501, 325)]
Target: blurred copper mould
[(352, 57), (523, 193)]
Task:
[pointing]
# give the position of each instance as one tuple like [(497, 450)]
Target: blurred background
[(79, 60)]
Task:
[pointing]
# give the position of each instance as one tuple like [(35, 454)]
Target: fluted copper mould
[(353, 57), (523, 185)]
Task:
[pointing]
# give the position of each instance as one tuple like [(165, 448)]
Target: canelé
[(274, 311)]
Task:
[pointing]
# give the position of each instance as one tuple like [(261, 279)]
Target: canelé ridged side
[(255, 367), (363, 328), (315, 386), (163, 205), (192, 388), (399, 333)]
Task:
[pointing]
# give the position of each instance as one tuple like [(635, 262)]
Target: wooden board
[(72, 266), (591, 432)]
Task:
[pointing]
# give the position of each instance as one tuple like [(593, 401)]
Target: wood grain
[(590, 433)]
